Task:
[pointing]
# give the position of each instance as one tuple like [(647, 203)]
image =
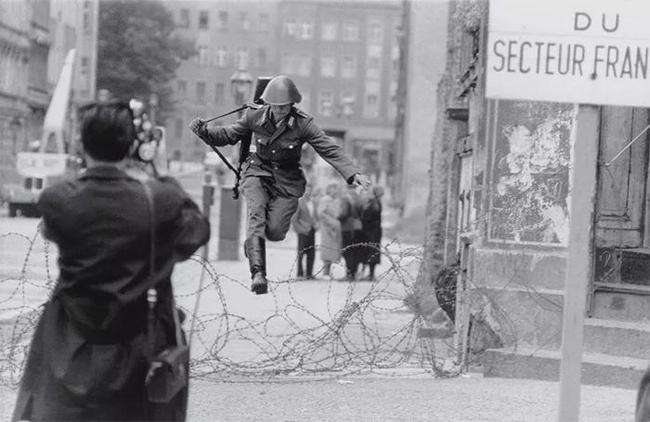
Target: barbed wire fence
[(358, 327)]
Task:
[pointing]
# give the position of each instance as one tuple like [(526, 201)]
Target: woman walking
[(330, 237)]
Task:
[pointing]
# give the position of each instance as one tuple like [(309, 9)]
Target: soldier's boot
[(255, 250)]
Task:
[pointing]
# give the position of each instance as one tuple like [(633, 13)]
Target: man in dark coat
[(88, 357), (272, 177), (372, 231), (351, 232)]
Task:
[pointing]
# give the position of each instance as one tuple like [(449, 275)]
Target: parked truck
[(53, 158)]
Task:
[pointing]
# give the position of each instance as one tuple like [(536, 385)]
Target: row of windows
[(330, 31), (301, 65), (240, 57), (346, 105), (200, 90), (12, 66), (328, 106), (222, 22)]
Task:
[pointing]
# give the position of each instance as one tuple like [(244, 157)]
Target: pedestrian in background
[(305, 224), (329, 209), (371, 229), (351, 231), (90, 352)]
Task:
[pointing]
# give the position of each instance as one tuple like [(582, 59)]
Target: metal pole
[(230, 211), (208, 199), (579, 259)]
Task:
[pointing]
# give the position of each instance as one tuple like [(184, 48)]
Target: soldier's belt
[(278, 165)]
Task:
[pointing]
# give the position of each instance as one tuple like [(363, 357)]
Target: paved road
[(312, 326), (235, 328), (397, 398)]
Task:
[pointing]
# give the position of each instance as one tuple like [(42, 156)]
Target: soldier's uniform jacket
[(278, 150)]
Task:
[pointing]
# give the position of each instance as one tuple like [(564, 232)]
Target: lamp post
[(241, 85), (230, 210), (14, 128)]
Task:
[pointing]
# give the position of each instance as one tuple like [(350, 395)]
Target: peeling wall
[(531, 157)]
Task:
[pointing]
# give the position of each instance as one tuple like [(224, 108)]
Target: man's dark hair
[(107, 130)]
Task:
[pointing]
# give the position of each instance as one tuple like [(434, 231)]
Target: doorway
[(622, 229)]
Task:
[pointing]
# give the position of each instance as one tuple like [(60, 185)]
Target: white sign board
[(40, 164), (575, 51)]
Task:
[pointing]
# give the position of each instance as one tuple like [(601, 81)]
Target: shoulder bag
[(167, 374)]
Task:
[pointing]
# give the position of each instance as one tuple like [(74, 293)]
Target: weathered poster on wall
[(575, 51), (529, 202)]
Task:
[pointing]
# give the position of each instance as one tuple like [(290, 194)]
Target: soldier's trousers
[(269, 211)]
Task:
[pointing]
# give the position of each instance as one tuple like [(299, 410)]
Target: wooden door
[(621, 205)]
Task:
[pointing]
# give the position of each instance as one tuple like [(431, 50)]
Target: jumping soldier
[(273, 180)]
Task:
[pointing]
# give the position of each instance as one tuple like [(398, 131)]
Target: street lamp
[(14, 128), (230, 209), (241, 84)]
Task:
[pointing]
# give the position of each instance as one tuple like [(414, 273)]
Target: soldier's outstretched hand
[(197, 125), (361, 180)]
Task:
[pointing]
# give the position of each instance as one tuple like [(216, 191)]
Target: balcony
[(37, 97), (13, 37)]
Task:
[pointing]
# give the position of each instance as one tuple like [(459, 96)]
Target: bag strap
[(152, 260), (152, 228)]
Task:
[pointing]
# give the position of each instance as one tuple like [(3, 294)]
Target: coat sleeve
[(329, 150), (219, 136), (50, 207), (191, 227)]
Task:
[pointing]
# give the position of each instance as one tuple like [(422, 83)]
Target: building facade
[(500, 198), (229, 36), (75, 25), (344, 58), (38, 88), (15, 111), (35, 37), (422, 67), (87, 24)]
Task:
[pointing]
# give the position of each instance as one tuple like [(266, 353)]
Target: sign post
[(579, 259), (581, 52)]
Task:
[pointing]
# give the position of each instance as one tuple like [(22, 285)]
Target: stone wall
[(519, 156)]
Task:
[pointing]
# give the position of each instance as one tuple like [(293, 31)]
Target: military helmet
[(281, 91)]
